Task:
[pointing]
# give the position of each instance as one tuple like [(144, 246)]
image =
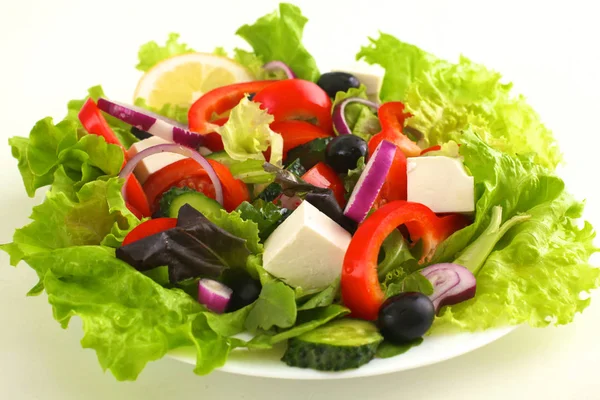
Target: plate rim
[(246, 368)]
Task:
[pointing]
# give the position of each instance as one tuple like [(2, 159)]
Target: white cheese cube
[(153, 163), (441, 183), (369, 75), (307, 250)]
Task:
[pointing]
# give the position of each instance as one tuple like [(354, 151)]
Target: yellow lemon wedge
[(181, 80)]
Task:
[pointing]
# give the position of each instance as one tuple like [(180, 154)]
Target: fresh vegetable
[(149, 228), (405, 317), (195, 157), (395, 185), (246, 135), (321, 175), (473, 256), (292, 99), (446, 98), (335, 346), (265, 214), (356, 117), (392, 116), (175, 198), (195, 247), (343, 152), (309, 154), (279, 66), (361, 291), (297, 133), (92, 120), (152, 123), (333, 82), (188, 173), (370, 182), (452, 283), (278, 36), (214, 295), (217, 102), (340, 124)]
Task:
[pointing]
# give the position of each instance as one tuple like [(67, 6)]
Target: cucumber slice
[(175, 198), (335, 346)]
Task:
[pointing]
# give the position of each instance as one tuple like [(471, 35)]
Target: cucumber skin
[(325, 357)]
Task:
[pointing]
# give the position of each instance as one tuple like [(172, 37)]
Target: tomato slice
[(148, 228), (188, 172), (297, 99), (323, 176)]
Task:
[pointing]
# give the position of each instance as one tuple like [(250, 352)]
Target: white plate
[(434, 349)]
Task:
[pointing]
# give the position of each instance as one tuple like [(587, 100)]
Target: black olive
[(140, 134), (245, 290), (333, 82), (343, 152), (405, 317)]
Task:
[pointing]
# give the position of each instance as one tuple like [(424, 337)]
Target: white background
[(51, 51)]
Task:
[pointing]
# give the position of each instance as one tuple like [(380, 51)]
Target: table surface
[(52, 51)]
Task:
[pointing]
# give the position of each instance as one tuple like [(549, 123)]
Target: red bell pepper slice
[(323, 176), (361, 291), (94, 123), (394, 188), (297, 99), (392, 116), (188, 173), (148, 228), (432, 148)]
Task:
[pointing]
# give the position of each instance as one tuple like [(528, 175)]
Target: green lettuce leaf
[(278, 36), (98, 215), (446, 98), (361, 120), (537, 271), (276, 306), (152, 53), (128, 319), (247, 134)]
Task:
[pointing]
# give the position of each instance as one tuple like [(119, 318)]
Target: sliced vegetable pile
[(255, 194)]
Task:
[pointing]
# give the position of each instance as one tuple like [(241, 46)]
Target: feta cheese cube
[(307, 250), (441, 183), (153, 163), (369, 75)]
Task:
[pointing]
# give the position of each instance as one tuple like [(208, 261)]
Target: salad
[(246, 199)]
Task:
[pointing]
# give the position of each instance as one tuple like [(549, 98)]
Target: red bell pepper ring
[(297, 99), (361, 291), (94, 123), (430, 149), (394, 188), (149, 228), (392, 116)]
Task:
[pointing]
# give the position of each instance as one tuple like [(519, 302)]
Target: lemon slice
[(181, 80)]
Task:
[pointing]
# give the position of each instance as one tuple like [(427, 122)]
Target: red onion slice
[(152, 123), (273, 66), (370, 182), (339, 119), (214, 295), (452, 284), (178, 149)]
